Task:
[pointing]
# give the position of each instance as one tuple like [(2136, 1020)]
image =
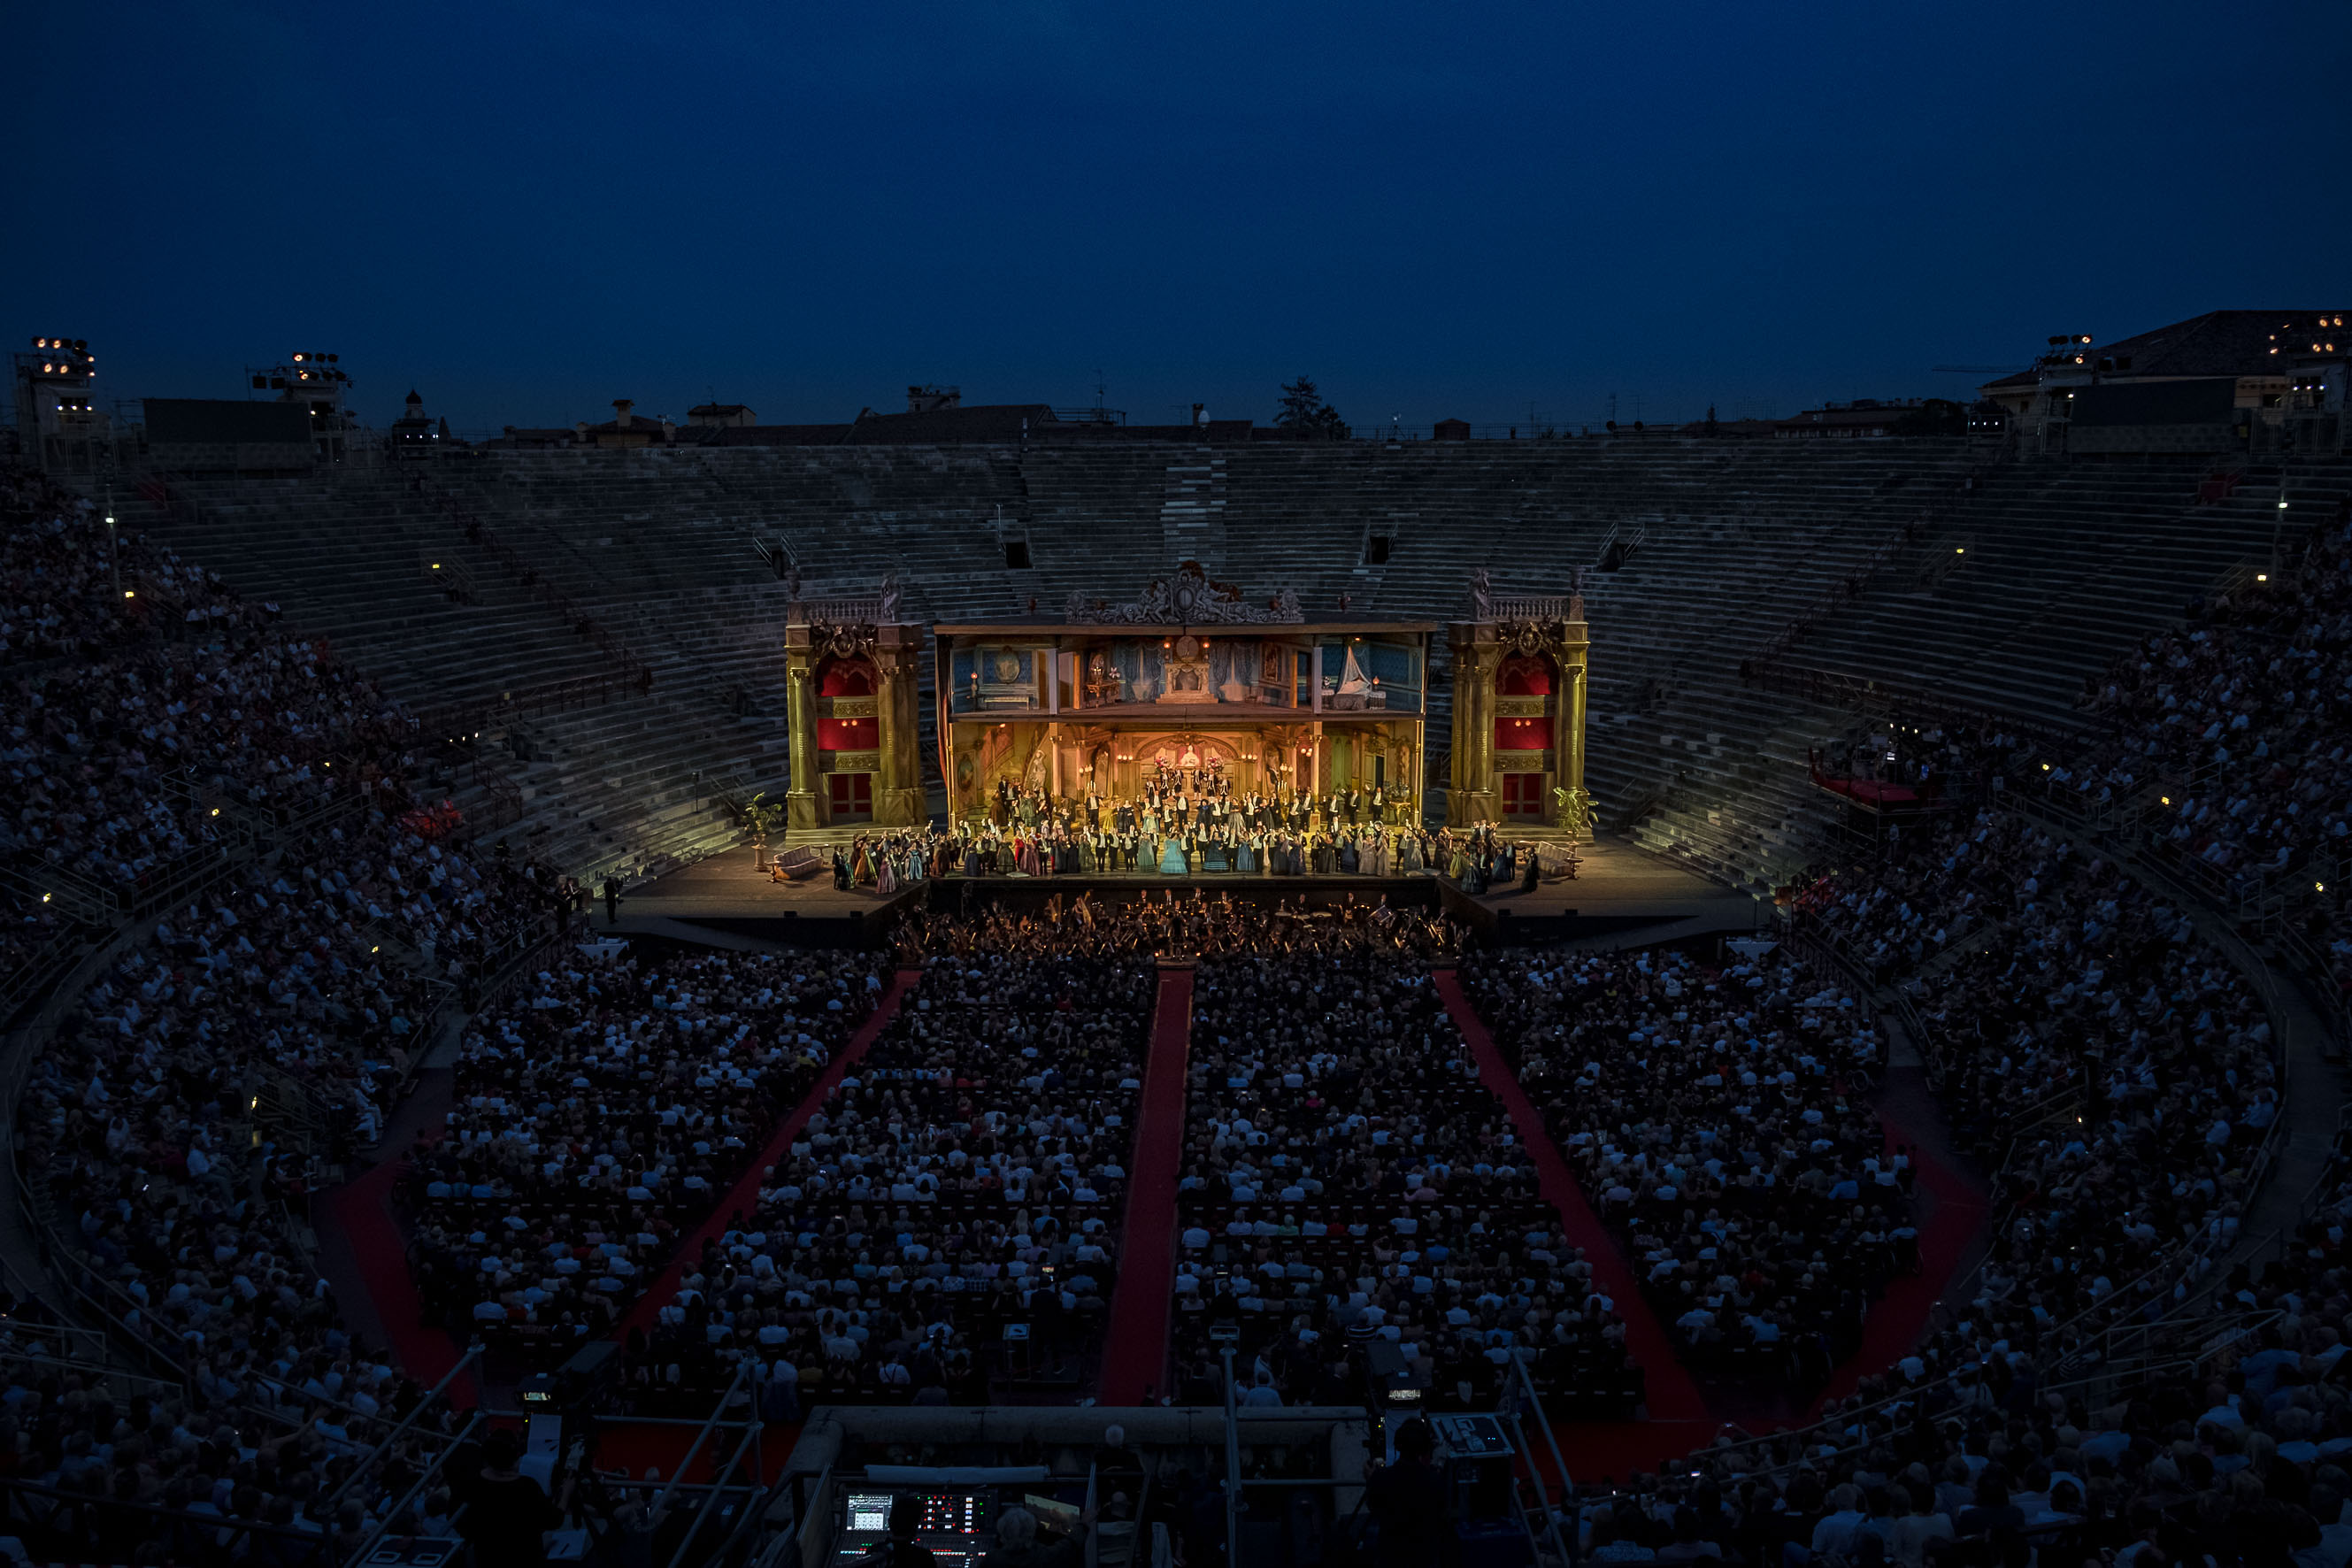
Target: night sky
[(526, 210)]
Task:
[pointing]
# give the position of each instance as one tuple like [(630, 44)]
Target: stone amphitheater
[(505, 592)]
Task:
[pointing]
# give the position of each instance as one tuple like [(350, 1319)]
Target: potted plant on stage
[(760, 816)]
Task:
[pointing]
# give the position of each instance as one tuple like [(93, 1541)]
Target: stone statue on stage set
[(1482, 596), (885, 611)]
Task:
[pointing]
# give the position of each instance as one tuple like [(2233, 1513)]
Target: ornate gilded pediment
[(1525, 637), (827, 640), (1186, 598)]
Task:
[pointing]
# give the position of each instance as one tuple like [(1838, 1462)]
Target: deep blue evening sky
[(526, 209)]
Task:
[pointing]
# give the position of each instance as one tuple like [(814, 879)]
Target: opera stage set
[(1190, 686), (1191, 682), (1267, 709)]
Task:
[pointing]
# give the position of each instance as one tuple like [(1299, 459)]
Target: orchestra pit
[(1068, 993)]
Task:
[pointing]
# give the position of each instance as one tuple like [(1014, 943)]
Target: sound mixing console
[(959, 1524)]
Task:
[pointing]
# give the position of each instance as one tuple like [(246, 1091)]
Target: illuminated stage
[(1193, 688), (1232, 698)]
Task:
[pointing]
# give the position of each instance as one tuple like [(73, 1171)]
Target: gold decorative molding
[(1527, 636), (1523, 762), (846, 708), (1522, 706), (828, 639), (849, 761)]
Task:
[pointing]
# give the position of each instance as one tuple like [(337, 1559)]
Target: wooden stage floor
[(1619, 890)]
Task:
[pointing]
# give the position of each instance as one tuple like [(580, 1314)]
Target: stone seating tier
[(2065, 563)]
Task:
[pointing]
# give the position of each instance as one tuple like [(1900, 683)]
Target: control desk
[(959, 1523)]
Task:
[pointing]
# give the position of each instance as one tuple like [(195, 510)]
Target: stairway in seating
[(1735, 800), (1193, 509)]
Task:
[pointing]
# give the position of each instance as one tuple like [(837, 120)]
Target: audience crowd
[(2240, 1461), (272, 1463), (1720, 1124), (945, 1225), (2232, 741), (169, 749), (948, 1218), (1347, 1179), (2113, 1069), (1096, 926), (600, 1112)]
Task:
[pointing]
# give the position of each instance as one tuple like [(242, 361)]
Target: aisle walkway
[(360, 1246), (743, 1197), (1950, 1217), (1674, 1398), (1135, 1361), (1949, 1209)]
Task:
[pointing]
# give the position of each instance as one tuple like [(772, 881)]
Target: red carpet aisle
[(1136, 1356), (745, 1193), (1953, 1222), (363, 1213), (362, 1251), (1679, 1420)]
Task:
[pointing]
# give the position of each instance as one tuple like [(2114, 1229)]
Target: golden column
[(1571, 806), (899, 799), (1470, 796), (805, 805)]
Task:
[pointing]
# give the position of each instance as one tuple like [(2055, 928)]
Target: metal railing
[(109, 904)]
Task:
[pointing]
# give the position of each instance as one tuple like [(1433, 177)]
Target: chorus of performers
[(1201, 924), (1477, 859), (1202, 798)]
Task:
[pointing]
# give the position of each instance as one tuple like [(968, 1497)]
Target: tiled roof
[(2219, 343)]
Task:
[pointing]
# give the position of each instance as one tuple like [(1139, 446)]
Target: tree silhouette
[(1304, 413)]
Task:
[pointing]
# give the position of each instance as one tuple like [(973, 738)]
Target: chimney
[(621, 406)]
